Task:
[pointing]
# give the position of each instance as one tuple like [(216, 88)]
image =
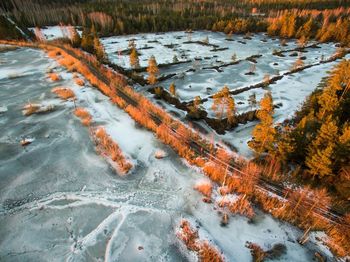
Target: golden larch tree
[(319, 159), (152, 70), (224, 104), (264, 132), (134, 58)]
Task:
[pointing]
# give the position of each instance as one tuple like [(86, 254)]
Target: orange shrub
[(84, 116), (30, 109), (53, 53), (242, 206), (208, 253), (54, 77), (141, 117), (205, 251), (106, 146), (257, 252), (204, 186), (79, 81), (63, 92), (215, 172)]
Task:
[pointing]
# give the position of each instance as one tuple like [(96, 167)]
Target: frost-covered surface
[(53, 32), (59, 200), (159, 46), (288, 93), (204, 82)]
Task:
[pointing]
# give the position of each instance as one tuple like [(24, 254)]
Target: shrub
[(190, 237), (30, 109), (106, 146), (54, 77), (63, 92), (79, 81), (257, 252), (84, 116), (204, 186), (242, 207)]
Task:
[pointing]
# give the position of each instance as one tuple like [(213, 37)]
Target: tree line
[(317, 139), (126, 17)]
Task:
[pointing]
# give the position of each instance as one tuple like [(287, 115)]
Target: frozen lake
[(59, 200)]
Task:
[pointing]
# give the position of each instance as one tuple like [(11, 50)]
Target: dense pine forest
[(124, 17)]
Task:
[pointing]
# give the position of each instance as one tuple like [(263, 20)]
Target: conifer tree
[(87, 41), (99, 49), (319, 158), (131, 44), (305, 30), (298, 64), (252, 100), (234, 57), (224, 104), (39, 34), (152, 70), (134, 58), (264, 132), (172, 89), (74, 37), (194, 108)]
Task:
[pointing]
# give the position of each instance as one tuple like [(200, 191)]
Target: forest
[(126, 17)]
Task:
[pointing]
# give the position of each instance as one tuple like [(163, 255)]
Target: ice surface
[(53, 32), (61, 201), (288, 93)]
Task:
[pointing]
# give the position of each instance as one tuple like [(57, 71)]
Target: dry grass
[(223, 190), (7, 48), (30, 109), (63, 92), (205, 251), (257, 252), (204, 186), (54, 77), (79, 81), (242, 207), (159, 154), (107, 147), (84, 116)]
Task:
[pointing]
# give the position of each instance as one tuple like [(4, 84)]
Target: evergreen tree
[(172, 89), (234, 57), (87, 41), (321, 151), (99, 50), (264, 132), (224, 104), (152, 70), (194, 108), (252, 100), (134, 58), (74, 37), (298, 64)]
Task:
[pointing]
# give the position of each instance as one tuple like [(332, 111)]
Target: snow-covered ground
[(53, 32), (203, 82), (165, 45), (59, 200), (288, 93)]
